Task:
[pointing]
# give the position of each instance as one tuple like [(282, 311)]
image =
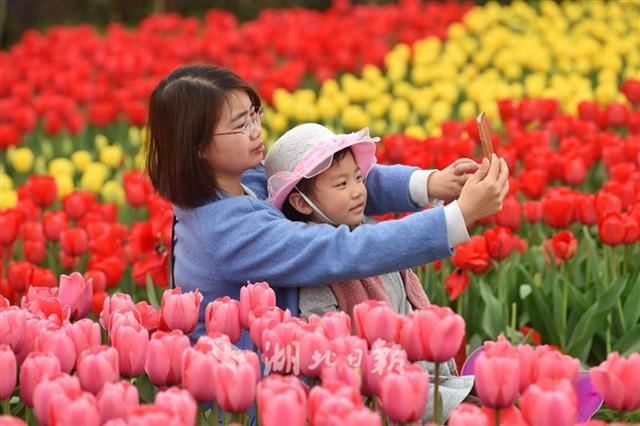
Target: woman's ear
[(298, 203)]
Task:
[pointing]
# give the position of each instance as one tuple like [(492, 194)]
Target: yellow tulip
[(64, 183), (111, 156), (21, 159), (6, 183), (46, 149), (113, 192), (93, 177), (306, 112), (283, 102), (467, 110), (420, 75), (329, 86), (278, 122), (305, 96), (81, 159), (354, 118), (8, 198), (135, 136), (139, 160), (100, 141), (376, 108), (371, 72), (415, 131), (61, 166), (399, 111), (397, 72), (434, 129), (378, 127), (440, 111)]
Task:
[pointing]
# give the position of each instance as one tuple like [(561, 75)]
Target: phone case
[(485, 135)]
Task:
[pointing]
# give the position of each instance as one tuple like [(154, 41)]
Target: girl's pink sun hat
[(306, 151)]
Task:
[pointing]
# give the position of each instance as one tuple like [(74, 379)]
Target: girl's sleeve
[(256, 242), (387, 187)]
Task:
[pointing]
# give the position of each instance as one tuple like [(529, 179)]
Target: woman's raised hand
[(483, 193)]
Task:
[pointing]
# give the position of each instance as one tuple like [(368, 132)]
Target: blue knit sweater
[(225, 243)]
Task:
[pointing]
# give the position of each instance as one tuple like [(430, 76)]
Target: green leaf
[(632, 305), (630, 342), (492, 318), (151, 292), (525, 291)]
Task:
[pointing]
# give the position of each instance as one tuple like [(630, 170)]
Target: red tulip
[(468, 415), (550, 402), (32, 230), (414, 385), (586, 209), (76, 292), (607, 203), (631, 229), (58, 343), (631, 90), (440, 332), (472, 255), (282, 399), (33, 369), (20, 275), (34, 251), (76, 204), (49, 386), (164, 357), (149, 315), (43, 190), (98, 280), (611, 229), (85, 334), (574, 171), (500, 242), (13, 322), (131, 342), (97, 366), (137, 187), (53, 223), (113, 267), (9, 135), (74, 241), (253, 296), (8, 366), (223, 316), (116, 399), (375, 320), (180, 311), (497, 380), (197, 374), (181, 402), (560, 248), (456, 283), (532, 211), (588, 110), (9, 222), (557, 208), (617, 380), (511, 214)]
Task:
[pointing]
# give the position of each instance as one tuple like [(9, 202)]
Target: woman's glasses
[(254, 122)]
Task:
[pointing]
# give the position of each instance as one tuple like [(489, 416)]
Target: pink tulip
[(11, 421), (34, 368), (310, 345), (555, 366), (223, 316), (164, 357), (263, 318), (13, 322), (617, 380), (35, 293), (253, 296), (280, 350), (153, 415), (282, 400), (197, 374), (76, 292), (236, 382), (497, 380), (58, 343), (440, 332), (413, 384), (131, 342), (123, 318), (332, 399), (180, 311), (528, 366), (333, 324), (353, 347), (550, 402), (66, 411), (149, 316), (44, 303), (85, 334), (406, 337), (362, 416), (342, 370), (468, 415), (50, 386), (506, 416), (116, 399), (118, 302), (32, 330), (375, 320), (97, 366), (9, 368), (181, 402), (4, 303), (382, 358)]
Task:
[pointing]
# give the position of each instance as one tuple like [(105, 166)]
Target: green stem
[(496, 420), (565, 303), (514, 315), (6, 407), (215, 416), (437, 413), (255, 411)]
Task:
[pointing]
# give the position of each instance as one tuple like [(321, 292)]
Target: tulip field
[(548, 288)]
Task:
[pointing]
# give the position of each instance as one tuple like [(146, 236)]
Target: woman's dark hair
[(184, 110), (307, 186)]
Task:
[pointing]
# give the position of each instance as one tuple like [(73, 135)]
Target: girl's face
[(232, 152), (340, 192)]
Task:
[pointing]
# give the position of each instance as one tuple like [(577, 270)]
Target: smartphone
[(485, 135)]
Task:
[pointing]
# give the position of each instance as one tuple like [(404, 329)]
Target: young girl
[(204, 155), (318, 177)]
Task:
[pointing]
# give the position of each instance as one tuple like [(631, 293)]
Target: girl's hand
[(447, 183), (485, 190)]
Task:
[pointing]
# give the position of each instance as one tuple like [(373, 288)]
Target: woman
[(204, 155)]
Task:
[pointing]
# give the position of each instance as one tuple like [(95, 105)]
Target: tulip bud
[(97, 366)]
